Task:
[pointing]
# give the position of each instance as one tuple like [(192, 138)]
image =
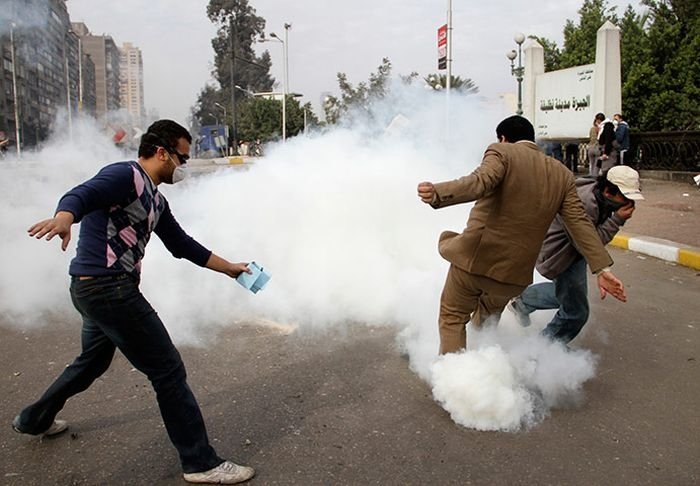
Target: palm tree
[(439, 81)]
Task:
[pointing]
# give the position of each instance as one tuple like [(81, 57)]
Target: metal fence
[(671, 151), (678, 151)]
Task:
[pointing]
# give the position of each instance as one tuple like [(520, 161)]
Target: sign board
[(563, 103), (442, 47)]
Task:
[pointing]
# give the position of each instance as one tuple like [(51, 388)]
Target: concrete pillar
[(534, 66), (607, 91)]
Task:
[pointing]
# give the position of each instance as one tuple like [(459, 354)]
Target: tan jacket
[(518, 191)]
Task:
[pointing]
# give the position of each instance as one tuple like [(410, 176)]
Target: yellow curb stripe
[(689, 258), (621, 241)]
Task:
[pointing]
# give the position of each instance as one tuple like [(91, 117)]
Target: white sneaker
[(225, 473)]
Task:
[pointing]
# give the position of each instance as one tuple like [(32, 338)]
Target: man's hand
[(221, 265), (426, 192), (610, 284), (235, 269), (604, 157), (58, 225), (625, 212)]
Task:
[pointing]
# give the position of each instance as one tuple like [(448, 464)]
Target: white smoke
[(335, 219), (509, 378)]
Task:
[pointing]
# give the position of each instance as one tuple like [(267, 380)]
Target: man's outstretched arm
[(222, 265)]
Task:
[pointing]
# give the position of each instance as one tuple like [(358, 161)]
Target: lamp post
[(285, 83), (233, 33), (518, 71)]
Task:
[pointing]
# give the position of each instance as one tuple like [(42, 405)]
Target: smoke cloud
[(335, 219)]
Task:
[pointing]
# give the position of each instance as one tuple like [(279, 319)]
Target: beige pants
[(465, 293)]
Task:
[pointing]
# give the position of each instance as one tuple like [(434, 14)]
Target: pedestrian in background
[(518, 191), (622, 136), (572, 156), (593, 150), (608, 147), (609, 203), (118, 209)]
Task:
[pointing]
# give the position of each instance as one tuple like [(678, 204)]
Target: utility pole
[(232, 32), (448, 84)]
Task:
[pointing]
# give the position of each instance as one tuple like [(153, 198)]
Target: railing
[(671, 151), (678, 151)]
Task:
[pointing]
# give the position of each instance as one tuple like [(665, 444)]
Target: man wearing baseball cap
[(608, 202)]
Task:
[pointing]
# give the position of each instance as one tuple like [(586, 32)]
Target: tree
[(673, 66), (238, 27), (459, 84), (580, 39), (261, 118), (358, 98)]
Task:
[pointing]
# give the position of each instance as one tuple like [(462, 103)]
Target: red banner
[(442, 47)]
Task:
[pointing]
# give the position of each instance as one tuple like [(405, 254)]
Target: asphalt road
[(344, 408)]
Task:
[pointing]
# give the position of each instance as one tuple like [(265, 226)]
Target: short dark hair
[(516, 128), (162, 133), (619, 115), (600, 116)]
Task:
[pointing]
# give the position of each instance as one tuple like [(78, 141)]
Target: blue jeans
[(568, 293), (116, 315)]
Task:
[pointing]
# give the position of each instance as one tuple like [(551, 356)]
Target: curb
[(685, 255)]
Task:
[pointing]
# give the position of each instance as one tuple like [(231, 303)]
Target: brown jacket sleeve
[(478, 184), (582, 231)]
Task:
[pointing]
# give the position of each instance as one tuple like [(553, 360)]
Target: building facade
[(131, 85), (40, 74), (104, 54), (52, 70), (45, 73)]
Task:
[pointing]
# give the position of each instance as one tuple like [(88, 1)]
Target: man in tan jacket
[(518, 191)]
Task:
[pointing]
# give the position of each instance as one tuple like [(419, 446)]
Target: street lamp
[(518, 71), (247, 91), (285, 87)]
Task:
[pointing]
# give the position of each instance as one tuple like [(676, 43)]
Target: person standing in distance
[(593, 150), (118, 210), (518, 192), (622, 135)]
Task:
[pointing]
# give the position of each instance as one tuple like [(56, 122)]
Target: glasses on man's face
[(183, 158)]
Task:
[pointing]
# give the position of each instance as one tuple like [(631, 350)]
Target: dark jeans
[(116, 315), (568, 293)]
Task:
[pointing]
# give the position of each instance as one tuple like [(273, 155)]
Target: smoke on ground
[(335, 219)]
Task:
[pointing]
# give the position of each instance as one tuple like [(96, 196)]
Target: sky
[(327, 37)]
